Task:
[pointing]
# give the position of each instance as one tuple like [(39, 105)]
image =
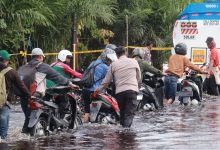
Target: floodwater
[(175, 127)]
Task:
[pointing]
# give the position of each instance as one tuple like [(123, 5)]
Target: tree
[(86, 14), (49, 23), (18, 18)]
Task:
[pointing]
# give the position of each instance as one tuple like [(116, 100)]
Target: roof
[(201, 11)]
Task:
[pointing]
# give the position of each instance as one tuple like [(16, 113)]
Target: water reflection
[(174, 127), (127, 140), (4, 146)]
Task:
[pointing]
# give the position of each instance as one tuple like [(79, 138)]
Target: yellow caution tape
[(161, 48), (153, 48), (48, 54), (24, 53), (15, 54), (91, 51), (80, 52)]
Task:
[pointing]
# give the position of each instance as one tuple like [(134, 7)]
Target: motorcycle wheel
[(40, 128), (185, 101), (78, 122), (75, 117), (140, 105), (72, 117), (103, 118)]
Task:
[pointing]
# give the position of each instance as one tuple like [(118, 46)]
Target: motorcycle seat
[(51, 104)]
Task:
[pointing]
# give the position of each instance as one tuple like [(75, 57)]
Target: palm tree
[(88, 13), (18, 18)]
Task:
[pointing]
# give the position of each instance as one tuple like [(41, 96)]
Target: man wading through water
[(212, 82), (13, 85), (127, 76)]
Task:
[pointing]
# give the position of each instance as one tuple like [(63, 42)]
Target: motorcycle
[(151, 93), (58, 111), (191, 88), (104, 109)]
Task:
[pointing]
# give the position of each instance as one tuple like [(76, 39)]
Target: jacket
[(146, 67), (64, 70), (49, 73), (14, 86), (99, 74), (177, 64)]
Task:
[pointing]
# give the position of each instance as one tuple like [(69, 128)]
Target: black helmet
[(181, 49), (111, 46), (138, 52)]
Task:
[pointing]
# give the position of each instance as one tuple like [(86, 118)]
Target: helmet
[(108, 54), (63, 54), (37, 51), (138, 52), (111, 46), (180, 49)]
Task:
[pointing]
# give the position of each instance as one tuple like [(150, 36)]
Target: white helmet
[(63, 54), (110, 54), (111, 46), (112, 57)]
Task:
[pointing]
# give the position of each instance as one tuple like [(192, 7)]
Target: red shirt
[(214, 56)]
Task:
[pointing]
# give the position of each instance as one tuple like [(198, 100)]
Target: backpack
[(27, 74), (88, 76), (3, 91)]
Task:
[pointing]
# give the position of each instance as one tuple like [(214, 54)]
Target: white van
[(194, 25)]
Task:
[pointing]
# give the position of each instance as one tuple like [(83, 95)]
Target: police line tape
[(154, 48), (24, 53)]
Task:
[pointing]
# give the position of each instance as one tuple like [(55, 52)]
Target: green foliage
[(49, 23), (18, 18)]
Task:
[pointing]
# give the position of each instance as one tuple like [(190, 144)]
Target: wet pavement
[(175, 127)]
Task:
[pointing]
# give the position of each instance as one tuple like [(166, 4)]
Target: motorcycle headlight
[(142, 88)]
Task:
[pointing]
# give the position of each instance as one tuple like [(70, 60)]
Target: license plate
[(139, 97), (185, 93), (94, 110)]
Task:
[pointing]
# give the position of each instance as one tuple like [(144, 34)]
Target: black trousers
[(210, 86), (86, 97), (127, 102), (27, 112)]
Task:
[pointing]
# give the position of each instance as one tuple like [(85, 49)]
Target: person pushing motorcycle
[(138, 55), (104, 60), (176, 65), (62, 67), (46, 72), (127, 77)]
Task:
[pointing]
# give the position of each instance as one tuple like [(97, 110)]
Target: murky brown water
[(175, 127)]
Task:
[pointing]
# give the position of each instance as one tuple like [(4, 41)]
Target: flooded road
[(175, 127)]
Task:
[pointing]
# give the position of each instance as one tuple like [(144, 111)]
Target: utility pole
[(74, 41), (126, 20)]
